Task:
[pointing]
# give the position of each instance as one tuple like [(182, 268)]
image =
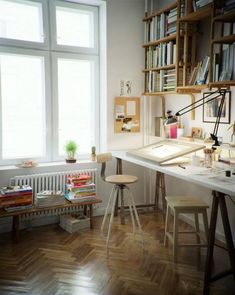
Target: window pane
[(75, 84), (23, 106), (21, 20), (74, 27)]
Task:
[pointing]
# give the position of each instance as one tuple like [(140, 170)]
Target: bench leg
[(16, 228), (91, 215)]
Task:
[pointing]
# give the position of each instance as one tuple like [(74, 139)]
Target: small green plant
[(93, 150), (71, 148)]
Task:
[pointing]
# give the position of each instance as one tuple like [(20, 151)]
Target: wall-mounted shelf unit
[(160, 51), (175, 61)]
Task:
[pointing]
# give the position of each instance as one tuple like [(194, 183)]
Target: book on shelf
[(197, 4), (229, 5), (228, 61), (15, 190), (201, 71)]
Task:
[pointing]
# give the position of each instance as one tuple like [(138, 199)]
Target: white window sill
[(41, 166)]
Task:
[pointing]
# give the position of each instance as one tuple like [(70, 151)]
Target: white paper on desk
[(131, 108)]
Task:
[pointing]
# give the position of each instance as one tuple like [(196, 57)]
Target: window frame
[(31, 44), (55, 128), (67, 48), (47, 83), (50, 53)]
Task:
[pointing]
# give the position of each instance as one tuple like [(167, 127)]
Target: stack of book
[(80, 188), (171, 21), (14, 198), (169, 80), (49, 198)]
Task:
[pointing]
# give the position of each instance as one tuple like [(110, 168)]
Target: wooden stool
[(185, 204)]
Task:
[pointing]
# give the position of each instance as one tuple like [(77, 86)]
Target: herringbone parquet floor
[(48, 260)]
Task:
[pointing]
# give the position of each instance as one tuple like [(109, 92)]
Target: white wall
[(125, 61)]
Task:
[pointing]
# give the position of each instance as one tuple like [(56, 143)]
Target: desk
[(220, 186)]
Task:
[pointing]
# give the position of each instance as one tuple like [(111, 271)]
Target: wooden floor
[(48, 260)]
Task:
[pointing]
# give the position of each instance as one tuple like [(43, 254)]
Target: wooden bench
[(34, 211)]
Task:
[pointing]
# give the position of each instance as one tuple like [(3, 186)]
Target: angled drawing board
[(165, 151)]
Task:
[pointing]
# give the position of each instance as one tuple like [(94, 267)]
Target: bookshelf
[(175, 61), (222, 66), (160, 50)]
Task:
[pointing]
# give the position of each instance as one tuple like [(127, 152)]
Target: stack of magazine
[(50, 198), (74, 223)]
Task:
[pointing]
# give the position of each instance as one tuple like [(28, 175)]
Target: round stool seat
[(121, 179)]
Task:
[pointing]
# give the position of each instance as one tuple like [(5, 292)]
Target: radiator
[(49, 181)]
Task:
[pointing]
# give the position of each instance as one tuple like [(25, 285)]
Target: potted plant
[(71, 148), (93, 153)]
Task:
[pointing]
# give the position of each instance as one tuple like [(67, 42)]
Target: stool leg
[(111, 221), (175, 235), (206, 227), (137, 217), (197, 229), (107, 209), (131, 211), (122, 210), (167, 224)]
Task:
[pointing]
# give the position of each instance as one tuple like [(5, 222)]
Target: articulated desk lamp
[(220, 93)]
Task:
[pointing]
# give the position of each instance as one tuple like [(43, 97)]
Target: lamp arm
[(216, 127), (194, 105), (219, 92)]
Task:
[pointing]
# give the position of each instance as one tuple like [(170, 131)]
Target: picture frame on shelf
[(197, 132), (210, 108)]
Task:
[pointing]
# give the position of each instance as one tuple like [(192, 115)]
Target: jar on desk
[(208, 157)]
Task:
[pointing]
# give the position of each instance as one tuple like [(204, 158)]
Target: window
[(23, 21), (47, 97), (74, 29)]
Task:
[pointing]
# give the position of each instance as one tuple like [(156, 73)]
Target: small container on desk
[(208, 157)]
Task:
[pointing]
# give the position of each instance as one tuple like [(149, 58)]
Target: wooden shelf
[(168, 67), (165, 39), (222, 84), (198, 15), (165, 9), (226, 17), (191, 89), (225, 39), (158, 93), (187, 40)]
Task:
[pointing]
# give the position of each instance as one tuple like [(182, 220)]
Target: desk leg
[(218, 200), (16, 228), (160, 187), (157, 185), (163, 193), (228, 234), (210, 248), (118, 171)]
